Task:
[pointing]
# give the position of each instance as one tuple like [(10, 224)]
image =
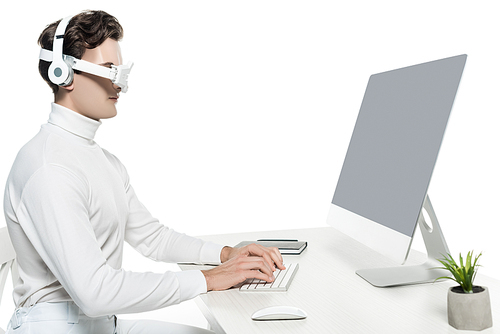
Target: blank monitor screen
[(395, 143)]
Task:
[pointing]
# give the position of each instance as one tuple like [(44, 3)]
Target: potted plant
[(469, 306)]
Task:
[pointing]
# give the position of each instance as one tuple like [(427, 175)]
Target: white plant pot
[(469, 311)]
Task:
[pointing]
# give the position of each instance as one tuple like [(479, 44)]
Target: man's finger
[(260, 275), (255, 263), (271, 254)]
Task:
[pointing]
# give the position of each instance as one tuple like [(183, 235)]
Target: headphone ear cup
[(60, 73)]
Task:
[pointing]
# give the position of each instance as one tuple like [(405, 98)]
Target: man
[(69, 207)]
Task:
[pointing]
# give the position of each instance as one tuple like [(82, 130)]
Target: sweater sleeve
[(53, 213), (156, 241)]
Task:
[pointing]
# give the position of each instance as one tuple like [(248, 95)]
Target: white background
[(239, 113)]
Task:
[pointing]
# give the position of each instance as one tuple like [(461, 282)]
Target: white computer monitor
[(382, 188)]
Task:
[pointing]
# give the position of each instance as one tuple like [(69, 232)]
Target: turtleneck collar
[(73, 122)]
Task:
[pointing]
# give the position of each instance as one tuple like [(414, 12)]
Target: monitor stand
[(415, 274)]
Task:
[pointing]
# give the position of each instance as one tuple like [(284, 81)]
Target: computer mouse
[(279, 313)]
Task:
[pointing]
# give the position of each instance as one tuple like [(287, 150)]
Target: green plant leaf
[(465, 273)]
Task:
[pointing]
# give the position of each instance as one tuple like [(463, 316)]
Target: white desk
[(334, 297)]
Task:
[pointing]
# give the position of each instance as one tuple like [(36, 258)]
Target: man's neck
[(65, 101)]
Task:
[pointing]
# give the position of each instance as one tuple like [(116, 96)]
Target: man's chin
[(110, 114)]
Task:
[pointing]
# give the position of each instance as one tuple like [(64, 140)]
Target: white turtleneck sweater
[(69, 207)]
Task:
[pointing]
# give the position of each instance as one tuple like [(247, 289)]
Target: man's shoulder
[(30, 160), (30, 156)]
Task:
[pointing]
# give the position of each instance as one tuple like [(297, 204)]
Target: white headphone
[(61, 70)]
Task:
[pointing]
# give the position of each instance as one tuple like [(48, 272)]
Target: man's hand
[(252, 261), (272, 255)]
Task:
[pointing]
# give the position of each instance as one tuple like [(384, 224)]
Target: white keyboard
[(282, 280)]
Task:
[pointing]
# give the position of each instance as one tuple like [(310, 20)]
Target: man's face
[(93, 96)]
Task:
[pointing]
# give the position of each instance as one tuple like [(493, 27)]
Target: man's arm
[(158, 242), (53, 213)]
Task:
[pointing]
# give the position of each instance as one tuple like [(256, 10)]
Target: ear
[(69, 88)]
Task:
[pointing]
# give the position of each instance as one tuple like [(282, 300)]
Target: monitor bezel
[(396, 245)]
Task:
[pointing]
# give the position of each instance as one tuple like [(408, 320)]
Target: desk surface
[(334, 297)]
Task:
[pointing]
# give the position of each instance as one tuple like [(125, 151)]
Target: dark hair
[(86, 30)]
